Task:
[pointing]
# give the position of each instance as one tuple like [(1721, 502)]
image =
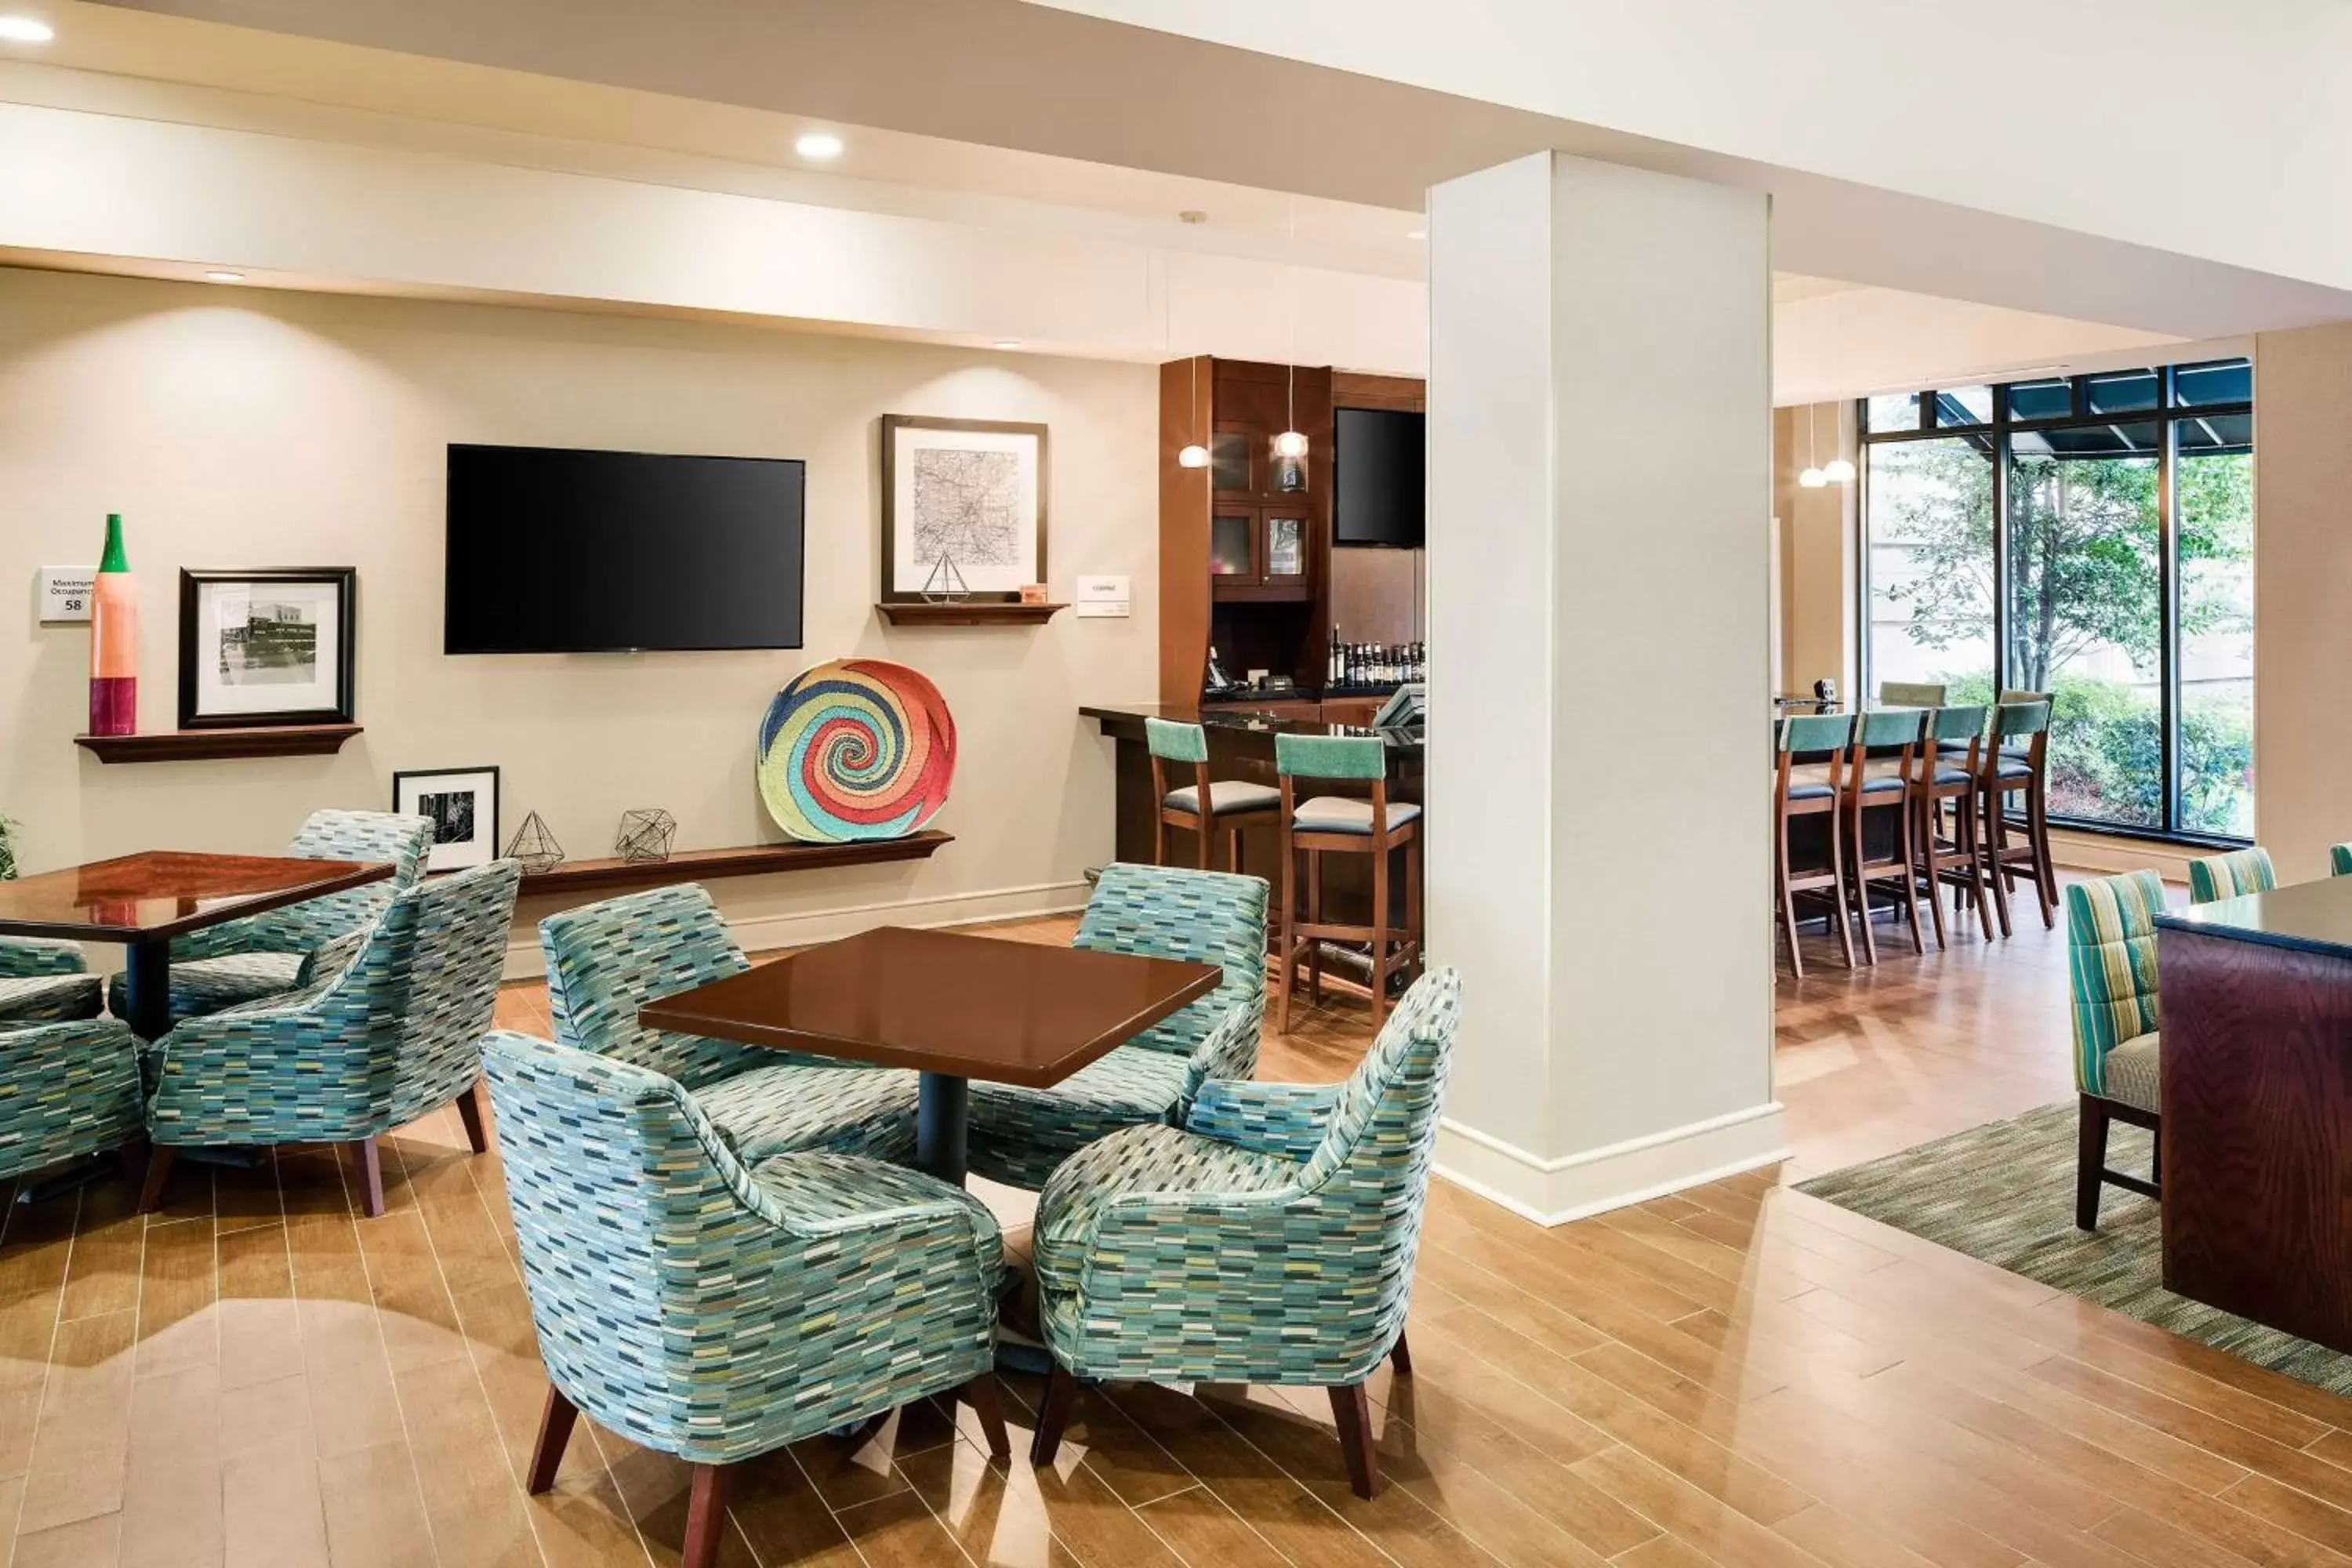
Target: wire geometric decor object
[(645, 834), (534, 846)]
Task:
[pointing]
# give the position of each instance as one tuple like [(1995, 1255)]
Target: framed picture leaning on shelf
[(268, 645), (963, 509), (464, 805)]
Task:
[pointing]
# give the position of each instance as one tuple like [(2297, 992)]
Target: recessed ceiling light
[(25, 30), (818, 144), (1416, 234), (1005, 344), (1192, 215), (222, 274)]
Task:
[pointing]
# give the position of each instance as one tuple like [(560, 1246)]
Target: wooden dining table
[(145, 900), (950, 1005)]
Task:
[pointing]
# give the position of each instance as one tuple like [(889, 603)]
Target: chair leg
[(1780, 874), (1315, 917), (2045, 878), (1289, 940), (1860, 881), (555, 1431), (1911, 877), (1158, 838), (1995, 843), (1401, 1356), (1234, 850), (1354, 1413), (2090, 1159), (706, 1517), (1837, 891), (1926, 851), (370, 1162), (159, 1161), (1413, 902), (988, 1404), (1053, 1415), (1380, 935), (470, 1111), (1964, 825)]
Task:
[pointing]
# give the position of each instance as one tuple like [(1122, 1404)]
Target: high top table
[(2254, 999), (143, 901), (951, 1006)]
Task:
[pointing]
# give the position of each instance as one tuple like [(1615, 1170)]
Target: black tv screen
[(557, 551), (1380, 476)]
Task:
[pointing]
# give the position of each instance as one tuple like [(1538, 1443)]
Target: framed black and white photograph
[(267, 646), (963, 509), (463, 803)]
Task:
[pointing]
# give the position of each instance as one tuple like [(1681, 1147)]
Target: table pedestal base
[(942, 1106)]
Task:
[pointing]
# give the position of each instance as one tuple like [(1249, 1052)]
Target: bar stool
[(1885, 782), (1947, 771), (1810, 789), (1235, 804), (1340, 825), (2017, 761)]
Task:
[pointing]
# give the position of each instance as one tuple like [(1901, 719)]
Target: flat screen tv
[(1380, 476), (558, 551)]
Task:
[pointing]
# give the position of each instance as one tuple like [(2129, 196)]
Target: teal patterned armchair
[(714, 1311), (1019, 1135), (67, 1089), (2111, 948), (45, 982), (394, 1033), (284, 950), (605, 961), (2231, 876), (1270, 1240)]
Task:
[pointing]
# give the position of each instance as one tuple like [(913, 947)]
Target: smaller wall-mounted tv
[(553, 550), (1380, 476)]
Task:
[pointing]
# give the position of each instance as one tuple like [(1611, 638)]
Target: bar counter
[(1241, 746)]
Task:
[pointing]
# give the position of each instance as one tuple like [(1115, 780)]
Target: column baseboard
[(1572, 1186)]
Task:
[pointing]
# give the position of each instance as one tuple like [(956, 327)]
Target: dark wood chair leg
[(555, 1431), (1996, 840), (1929, 815), (1413, 902), (370, 1164), (1053, 1415), (470, 1111), (1354, 1413), (1781, 873), (1315, 917), (1860, 879), (2045, 876), (1401, 1356), (159, 1171), (2090, 1161), (706, 1517), (1911, 875), (988, 1404), (1380, 935), (1289, 935), (1837, 890)]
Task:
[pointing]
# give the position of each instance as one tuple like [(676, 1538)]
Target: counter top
[(2310, 917), (1241, 717)]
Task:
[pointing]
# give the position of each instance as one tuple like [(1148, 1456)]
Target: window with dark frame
[(2088, 536)]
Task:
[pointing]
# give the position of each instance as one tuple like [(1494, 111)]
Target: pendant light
[(1193, 455), (1838, 470), (1813, 478), (1292, 442)]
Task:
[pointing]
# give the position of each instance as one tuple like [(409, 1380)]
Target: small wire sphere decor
[(855, 749)]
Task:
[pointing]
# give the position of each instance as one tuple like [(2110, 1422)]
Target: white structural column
[(1600, 486)]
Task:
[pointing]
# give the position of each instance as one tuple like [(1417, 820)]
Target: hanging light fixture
[(1813, 478), (1838, 470), (1292, 442), (1192, 455)]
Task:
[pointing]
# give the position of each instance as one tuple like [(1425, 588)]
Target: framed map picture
[(963, 509)]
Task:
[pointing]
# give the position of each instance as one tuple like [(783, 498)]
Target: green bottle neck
[(113, 560)]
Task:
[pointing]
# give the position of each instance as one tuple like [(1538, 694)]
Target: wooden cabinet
[(1261, 552)]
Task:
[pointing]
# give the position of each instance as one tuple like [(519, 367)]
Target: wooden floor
[(1738, 1375)]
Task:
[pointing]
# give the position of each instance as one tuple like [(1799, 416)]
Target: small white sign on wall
[(64, 594), (1100, 596)]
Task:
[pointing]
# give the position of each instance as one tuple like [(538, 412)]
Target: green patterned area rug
[(2005, 1193)]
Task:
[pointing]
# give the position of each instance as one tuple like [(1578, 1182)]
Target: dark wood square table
[(143, 901), (951, 1006)]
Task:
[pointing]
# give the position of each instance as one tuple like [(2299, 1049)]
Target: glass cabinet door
[(1230, 545), (1229, 461), (1285, 546)]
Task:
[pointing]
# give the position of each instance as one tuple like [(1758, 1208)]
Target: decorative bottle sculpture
[(114, 640)]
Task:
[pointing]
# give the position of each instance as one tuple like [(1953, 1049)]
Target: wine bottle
[(114, 640)]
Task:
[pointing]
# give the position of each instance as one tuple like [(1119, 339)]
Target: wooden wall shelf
[(969, 614), (746, 860), (205, 745)]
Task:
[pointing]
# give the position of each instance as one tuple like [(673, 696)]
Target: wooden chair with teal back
[(1231, 805), (2017, 761), (1947, 769), (1911, 693), (1345, 825), (2339, 859), (1810, 789), (2234, 875), (2111, 974), (1883, 774)]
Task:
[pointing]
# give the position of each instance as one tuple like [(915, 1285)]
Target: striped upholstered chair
[(1271, 1240), (43, 982), (714, 1311), (2231, 876), (395, 1033), (605, 961), (1018, 1135), (284, 950), (2111, 968), (67, 1089)]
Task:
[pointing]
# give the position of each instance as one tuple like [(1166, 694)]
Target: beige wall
[(242, 427), (1817, 549), (2303, 582)]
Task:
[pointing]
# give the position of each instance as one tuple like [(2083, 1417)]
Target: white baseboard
[(764, 933), (1555, 1191)]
